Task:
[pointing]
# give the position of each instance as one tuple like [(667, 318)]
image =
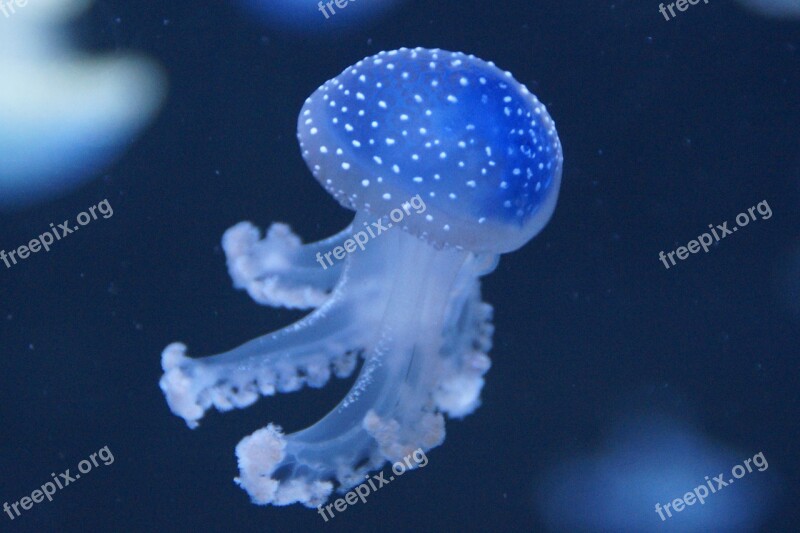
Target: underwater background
[(616, 383)]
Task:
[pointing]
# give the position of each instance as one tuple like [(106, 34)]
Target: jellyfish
[(781, 9), (478, 157), (647, 462), (64, 115), (306, 16)]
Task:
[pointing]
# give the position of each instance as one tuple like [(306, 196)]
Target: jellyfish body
[(483, 157), (299, 16), (65, 116)]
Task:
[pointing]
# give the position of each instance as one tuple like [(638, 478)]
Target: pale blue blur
[(64, 116), (788, 9), (645, 462)]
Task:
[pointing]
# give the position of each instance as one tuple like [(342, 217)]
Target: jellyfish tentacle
[(328, 340), (407, 381), (279, 270)]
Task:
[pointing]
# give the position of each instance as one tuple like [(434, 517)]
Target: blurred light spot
[(774, 8), (617, 487), (64, 116), (305, 16)]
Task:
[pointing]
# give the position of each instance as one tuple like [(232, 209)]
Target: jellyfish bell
[(408, 304), (478, 147)]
